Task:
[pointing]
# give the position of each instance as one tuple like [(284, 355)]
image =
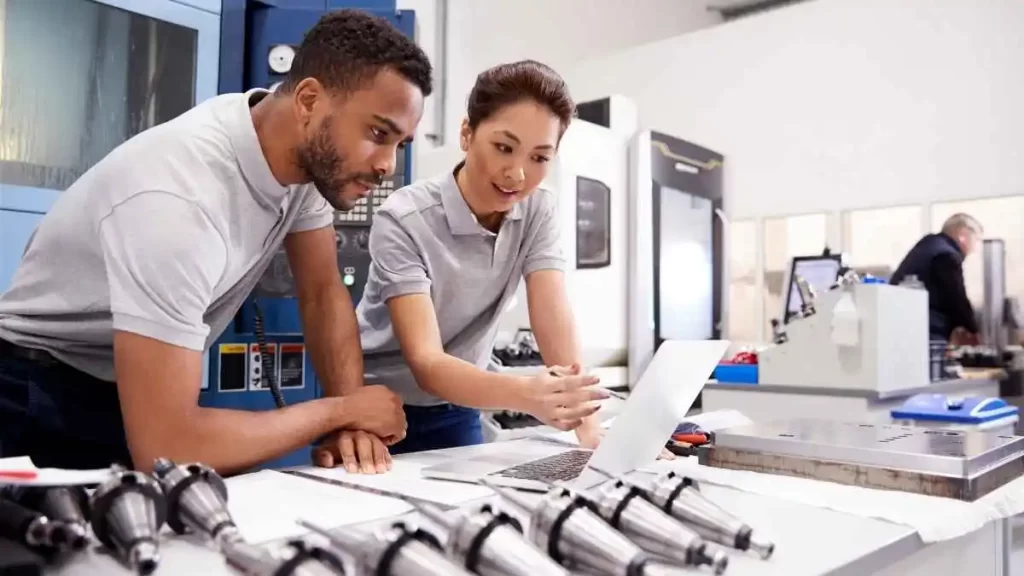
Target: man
[(145, 259), (937, 261)]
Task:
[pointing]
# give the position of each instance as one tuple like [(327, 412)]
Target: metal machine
[(676, 252), (959, 464), (265, 341), (858, 336)]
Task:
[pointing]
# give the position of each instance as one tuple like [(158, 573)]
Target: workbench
[(768, 402), (809, 541)]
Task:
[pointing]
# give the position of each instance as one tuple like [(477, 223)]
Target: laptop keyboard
[(557, 467)]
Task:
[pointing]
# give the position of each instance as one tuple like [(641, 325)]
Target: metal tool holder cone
[(297, 558), (625, 508), (491, 543), (680, 497), (127, 513), (24, 525), (64, 505), (399, 549), (572, 532), (197, 500)]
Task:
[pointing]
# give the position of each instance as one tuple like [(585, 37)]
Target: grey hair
[(959, 221)]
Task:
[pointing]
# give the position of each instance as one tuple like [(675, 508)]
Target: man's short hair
[(957, 222), (347, 48)]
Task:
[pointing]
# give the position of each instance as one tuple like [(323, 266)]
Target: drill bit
[(196, 500), (491, 543), (397, 550), (127, 513)]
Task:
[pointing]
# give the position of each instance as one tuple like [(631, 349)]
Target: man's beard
[(324, 166)]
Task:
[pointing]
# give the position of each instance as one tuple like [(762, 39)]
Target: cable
[(267, 376)]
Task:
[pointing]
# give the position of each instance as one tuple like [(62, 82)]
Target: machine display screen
[(685, 266), (821, 273)]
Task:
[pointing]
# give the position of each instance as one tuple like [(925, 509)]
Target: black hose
[(267, 375)]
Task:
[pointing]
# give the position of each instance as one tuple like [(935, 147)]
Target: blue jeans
[(59, 416), (436, 427)]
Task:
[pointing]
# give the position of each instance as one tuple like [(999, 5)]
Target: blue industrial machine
[(265, 341)]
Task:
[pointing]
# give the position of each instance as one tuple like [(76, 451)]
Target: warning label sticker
[(256, 376), (231, 376), (293, 366)]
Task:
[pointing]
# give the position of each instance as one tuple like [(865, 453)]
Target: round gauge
[(280, 58)]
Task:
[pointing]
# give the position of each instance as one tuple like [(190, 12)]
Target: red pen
[(19, 474)]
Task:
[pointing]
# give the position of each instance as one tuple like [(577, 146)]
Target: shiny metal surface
[(503, 551), (681, 498), (397, 549), (196, 500), (257, 561), (962, 464), (570, 531), (127, 513), (624, 507)]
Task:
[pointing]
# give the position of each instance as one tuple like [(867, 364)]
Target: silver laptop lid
[(654, 408)]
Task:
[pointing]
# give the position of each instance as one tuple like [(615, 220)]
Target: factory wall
[(838, 104), (483, 33)]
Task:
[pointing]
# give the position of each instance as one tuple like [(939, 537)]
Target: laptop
[(656, 405)]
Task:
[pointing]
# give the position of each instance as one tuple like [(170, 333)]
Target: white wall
[(560, 33), (838, 104)]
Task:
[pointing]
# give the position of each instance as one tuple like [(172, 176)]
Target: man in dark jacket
[(937, 261)]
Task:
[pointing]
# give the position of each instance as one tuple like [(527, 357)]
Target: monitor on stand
[(820, 273)]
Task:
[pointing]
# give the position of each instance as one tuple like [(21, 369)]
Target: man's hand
[(961, 337), (562, 397), (378, 410), (356, 450)]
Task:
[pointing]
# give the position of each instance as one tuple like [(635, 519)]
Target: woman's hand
[(562, 397)]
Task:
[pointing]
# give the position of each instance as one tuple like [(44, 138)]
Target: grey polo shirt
[(425, 240), (165, 237)]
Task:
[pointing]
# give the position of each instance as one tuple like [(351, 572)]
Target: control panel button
[(348, 279), (362, 240)]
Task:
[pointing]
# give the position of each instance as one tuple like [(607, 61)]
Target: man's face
[(352, 140), (970, 241)]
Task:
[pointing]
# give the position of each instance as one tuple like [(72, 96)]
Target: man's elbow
[(175, 441)]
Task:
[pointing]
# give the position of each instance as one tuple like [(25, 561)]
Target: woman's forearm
[(464, 384)]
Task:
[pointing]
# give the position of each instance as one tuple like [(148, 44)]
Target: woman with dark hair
[(448, 253)]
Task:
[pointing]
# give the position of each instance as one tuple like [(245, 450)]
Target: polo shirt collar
[(266, 190), (461, 219)]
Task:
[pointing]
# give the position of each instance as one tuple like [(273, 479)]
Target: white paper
[(405, 478), (49, 476), (266, 505), (934, 518)]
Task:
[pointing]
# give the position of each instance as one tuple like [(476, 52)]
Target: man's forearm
[(332, 334), (233, 441)]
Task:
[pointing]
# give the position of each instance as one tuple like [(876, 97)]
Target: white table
[(809, 541)]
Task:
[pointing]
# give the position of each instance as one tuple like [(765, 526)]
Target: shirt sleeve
[(949, 275), (396, 262), (314, 213), (544, 248), (163, 258)]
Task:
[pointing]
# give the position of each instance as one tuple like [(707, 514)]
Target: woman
[(448, 254)]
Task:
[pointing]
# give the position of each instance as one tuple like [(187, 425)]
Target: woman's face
[(508, 155)]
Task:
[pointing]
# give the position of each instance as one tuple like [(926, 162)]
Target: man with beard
[(142, 263)]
